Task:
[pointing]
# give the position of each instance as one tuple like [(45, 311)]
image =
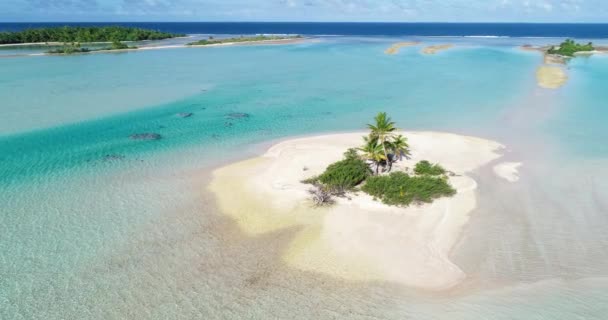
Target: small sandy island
[(436, 48), (394, 49), (358, 238), (551, 77)]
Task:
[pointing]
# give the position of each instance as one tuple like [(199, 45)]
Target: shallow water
[(96, 225)]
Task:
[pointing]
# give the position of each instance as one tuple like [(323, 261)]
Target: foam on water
[(94, 224)]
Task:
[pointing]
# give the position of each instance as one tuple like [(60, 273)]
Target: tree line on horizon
[(69, 34)]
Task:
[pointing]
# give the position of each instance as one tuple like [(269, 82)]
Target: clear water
[(96, 225)]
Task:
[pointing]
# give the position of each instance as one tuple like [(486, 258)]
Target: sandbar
[(551, 77), (394, 49), (436, 48), (358, 238)]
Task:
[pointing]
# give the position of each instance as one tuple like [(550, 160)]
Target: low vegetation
[(69, 48), (382, 147), (338, 178), (83, 35), (401, 189), (346, 174), (426, 168), (568, 48), (211, 40), (117, 45), (73, 48)]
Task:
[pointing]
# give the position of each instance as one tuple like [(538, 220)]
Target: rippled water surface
[(96, 225)]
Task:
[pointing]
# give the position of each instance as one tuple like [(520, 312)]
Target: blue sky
[(305, 10)]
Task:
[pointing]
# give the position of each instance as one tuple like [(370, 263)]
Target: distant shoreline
[(177, 46), (52, 44)]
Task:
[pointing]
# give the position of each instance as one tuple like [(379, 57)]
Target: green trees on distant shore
[(75, 47), (117, 45), (69, 48), (568, 48), (83, 34)]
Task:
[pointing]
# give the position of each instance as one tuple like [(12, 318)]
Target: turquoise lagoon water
[(95, 225)]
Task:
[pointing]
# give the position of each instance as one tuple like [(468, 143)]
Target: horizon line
[(312, 22)]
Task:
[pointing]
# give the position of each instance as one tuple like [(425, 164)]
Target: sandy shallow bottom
[(358, 238), (508, 170), (551, 77)]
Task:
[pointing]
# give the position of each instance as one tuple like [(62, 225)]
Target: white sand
[(357, 239), (508, 170)]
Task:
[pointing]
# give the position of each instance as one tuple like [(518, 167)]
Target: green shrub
[(426, 168), (69, 49), (351, 154), (346, 174), (117, 45), (400, 189)]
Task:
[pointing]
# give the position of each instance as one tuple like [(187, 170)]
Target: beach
[(358, 238)]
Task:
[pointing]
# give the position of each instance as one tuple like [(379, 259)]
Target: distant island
[(242, 39), (551, 74), (83, 35), (396, 47), (569, 48)]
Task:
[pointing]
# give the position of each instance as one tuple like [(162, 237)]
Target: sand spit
[(395, 48), (245, 43), (551, 74), (551, 77), (437, 48), (554, 59), (358, 238), (176, 46), (508, 170), (547, 58)]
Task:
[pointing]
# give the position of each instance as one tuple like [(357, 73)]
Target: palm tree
[(382, 131), (400, 147), (373, 151)]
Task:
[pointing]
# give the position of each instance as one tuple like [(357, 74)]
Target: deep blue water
[(595, 31)]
